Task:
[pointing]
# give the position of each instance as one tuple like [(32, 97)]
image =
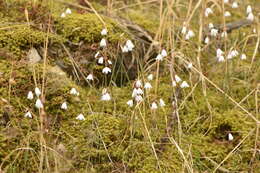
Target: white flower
[(184, 84), (154, 106), (90, 77), (224, 34), (106, 97), (234, 53), (73, 91), (219, 52), (138, 84), (96, 55), (130, 103), (206, 41), (230, 137), (243, 56), (37, 91), (159, 57), (184, 30), (229, 56), (174, 84), (134, 93), (28, 115), (162, 103), (106, 70), (138, 98), (80, 117), (214, 32), (190, 65), (254, 30), (189, 35), (227, 14), (125, 49), (129, 45), (68, 11), (235, 5), (103, 32), (221, 58), (139, 91), (109, 62), (177, 78), (103, 43), (101, 60), (39, 104), (63, 15), (64, 106), (249, 9), (164, 53), (208, 11), (250, 17), (226, 1), (150, 77), (147, 85), (211, 25), (30, 95)]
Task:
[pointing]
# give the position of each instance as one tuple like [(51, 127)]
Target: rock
[(33, 56)]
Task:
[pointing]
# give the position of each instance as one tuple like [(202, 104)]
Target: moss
[(19, 39), (87, 28)]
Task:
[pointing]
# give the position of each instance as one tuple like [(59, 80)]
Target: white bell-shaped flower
[(129, 45), (174, 84), (138, 84), (96, 55), (189, 35), (208, 11), (162, 103), (154, 106), (243, 56), (138, 98), (103, 43), (230, 137), (80, 117), (159, 57), (90, 77), (106, 97), (63, 15), (227, 14), (125, 49), (214, 32), (73, 91), (101, 60), (219, 52), (224, 34), (139, 91), (134, 93), (38, 104), (249, 9), (150, 77), (184, 30), (106, 70), (177, 78), (28, 115), (189, 65), (250, 17), (130, 103), (64, 106), (147, 85), (211, 25), (206, 41), (235, 5), (103, 32), (184, 84), (226, 1), (164, 53), (30, 95), (109, 62), (221, 58), (37, 91), (68, 11)]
